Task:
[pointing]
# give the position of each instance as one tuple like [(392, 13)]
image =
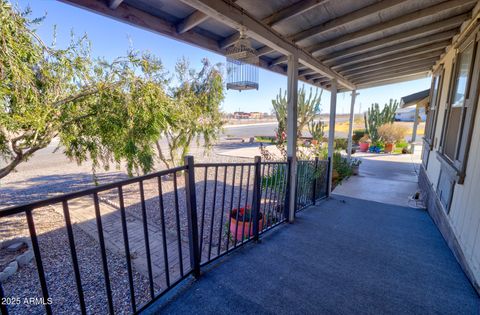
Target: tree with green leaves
[(108, 112), (375, 117), (308, 108), (195, 105)]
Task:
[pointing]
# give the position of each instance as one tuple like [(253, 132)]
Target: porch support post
[(292, 89), (350, 127), (331, 133), (415, 126)]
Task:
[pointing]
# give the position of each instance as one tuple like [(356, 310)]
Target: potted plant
[(356, 166), (364, 143), (241, 222), (391, 134), (317, 130)]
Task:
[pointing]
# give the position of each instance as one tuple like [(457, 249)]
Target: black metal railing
[(165, 227), (312, 183)]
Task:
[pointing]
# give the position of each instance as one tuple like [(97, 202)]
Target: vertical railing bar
[(247, 189), (277, 193), (213, 213), (223, 210), (328, 179), (298, 190), (103, 253), (38, 259), (257, 193), (177, 218), (231, 206), (306, 186), (304, 183), (147, 240), (73, 253), (164, 236), (265, 205), (273, 178), (246, 205), (285, 189), (127, 248), (203, 210), (191, 199), (3, 306), (238, 208), (314, 186)]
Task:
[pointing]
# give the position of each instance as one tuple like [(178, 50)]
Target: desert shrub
[(392, 133), (341, 143)]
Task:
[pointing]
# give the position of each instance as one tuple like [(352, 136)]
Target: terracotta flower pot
[(314, 142), (364, 146), (245, 229), (389, 147)]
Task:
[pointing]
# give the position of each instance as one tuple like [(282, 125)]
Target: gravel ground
[(56, 259), (50, 226)]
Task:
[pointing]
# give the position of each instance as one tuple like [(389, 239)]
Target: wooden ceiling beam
[(313, 76), (144, 20), (113, 4), (234, 16), (399, 79), (389, 69), (442, 40), (437, 47), (291, 11), (306, 72), (191, 21), (381, 27), (392, 75), (338, 22), (398, 62), (405, 58), (344, 19), (423, 31)]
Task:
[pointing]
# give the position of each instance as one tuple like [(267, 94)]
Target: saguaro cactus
[(375, 117)]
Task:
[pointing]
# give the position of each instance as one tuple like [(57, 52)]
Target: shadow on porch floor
[(345, 256)]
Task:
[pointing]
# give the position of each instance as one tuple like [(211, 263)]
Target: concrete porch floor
[(387, 178), (344, 256)]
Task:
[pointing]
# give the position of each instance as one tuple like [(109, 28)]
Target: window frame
[(439, 75), (468, 109)]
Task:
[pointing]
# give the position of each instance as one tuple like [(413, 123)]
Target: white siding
[(464, 216)]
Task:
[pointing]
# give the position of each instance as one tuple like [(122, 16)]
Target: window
[(431, 112), (459, 90), (461, 106)]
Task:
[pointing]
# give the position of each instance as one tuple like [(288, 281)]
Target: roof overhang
[(359, 43), (419, 99)]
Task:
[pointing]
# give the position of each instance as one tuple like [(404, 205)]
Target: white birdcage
[(242, 62)]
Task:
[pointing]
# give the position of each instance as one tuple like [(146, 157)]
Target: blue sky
[(111, 39)]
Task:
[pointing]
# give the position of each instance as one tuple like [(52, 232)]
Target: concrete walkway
[(345, 256), (387, 178)]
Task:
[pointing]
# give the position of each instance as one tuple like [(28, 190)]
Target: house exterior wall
[(460, 224)]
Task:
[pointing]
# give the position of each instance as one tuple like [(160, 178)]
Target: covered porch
[(342, 256)]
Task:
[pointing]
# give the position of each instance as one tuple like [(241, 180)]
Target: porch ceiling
[(361, 43)]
